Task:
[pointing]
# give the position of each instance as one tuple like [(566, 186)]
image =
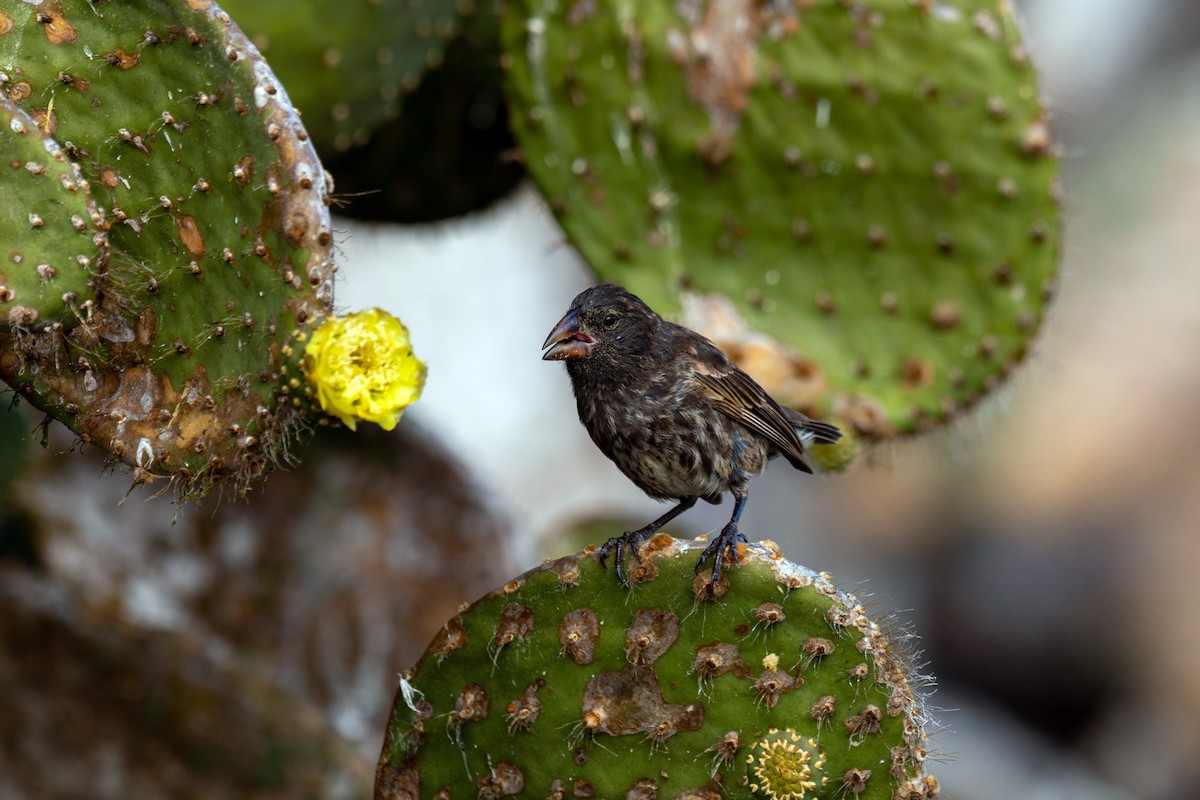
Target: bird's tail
[(813, 431), (820, 432)]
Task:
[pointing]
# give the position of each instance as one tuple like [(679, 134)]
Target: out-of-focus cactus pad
[(403, 99), (565, 684), (451, 150), (186, 232), (348, 64), (858, 200)]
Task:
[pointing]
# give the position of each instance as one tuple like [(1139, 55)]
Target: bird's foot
[(617, 546), (727, 539)]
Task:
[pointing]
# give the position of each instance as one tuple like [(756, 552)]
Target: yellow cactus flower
[(362, 367)]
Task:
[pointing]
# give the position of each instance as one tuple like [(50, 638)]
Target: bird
[(674, 413)]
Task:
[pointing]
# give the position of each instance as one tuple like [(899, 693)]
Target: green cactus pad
[(411, 124), (349, 65), (858, 199), (564, 684), (211, 214), (52, 252), (449, 151)]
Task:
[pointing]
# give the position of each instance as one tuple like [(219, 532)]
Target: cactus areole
[(563, 684), (166, 234)]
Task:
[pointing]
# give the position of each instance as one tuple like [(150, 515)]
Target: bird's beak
[(567, 340)]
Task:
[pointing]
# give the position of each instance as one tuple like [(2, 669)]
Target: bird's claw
[(617, 546), (727, 539)]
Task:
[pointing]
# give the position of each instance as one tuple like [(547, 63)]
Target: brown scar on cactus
[(524, 711), (631, 701), (451, 637), (514, 625), (578, 633), (716, 659), (816, 648), (772, 682), (650, 635), (55, 26), (823, 709), (865, 722), (504, 780), (769, 614), (717, 55), (472, 705)]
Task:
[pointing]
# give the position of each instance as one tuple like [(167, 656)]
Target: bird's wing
[(736, 395)]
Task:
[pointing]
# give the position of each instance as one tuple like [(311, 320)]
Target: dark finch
[(673, 412)]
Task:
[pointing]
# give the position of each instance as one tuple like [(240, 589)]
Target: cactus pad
[(857, 200), (183, 215), (564, 684), (52, 253), (411, 124), (449, 152), (349, 65)]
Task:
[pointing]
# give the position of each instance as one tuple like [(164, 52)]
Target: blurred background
[(1046, 548)]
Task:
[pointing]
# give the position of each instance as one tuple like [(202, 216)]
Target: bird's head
[(604, 322)]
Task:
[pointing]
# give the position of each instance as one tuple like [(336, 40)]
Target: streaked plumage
[(671, 410)]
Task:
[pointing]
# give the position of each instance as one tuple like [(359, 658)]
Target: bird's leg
[(727, 538), (631, 539)]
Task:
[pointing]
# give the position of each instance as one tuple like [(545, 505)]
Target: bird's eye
[(610, 321)]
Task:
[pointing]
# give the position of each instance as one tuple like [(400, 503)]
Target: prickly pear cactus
[(349, 65), (403, 99), (564, 684), (449, 151), (165, 235), (857, 200)]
